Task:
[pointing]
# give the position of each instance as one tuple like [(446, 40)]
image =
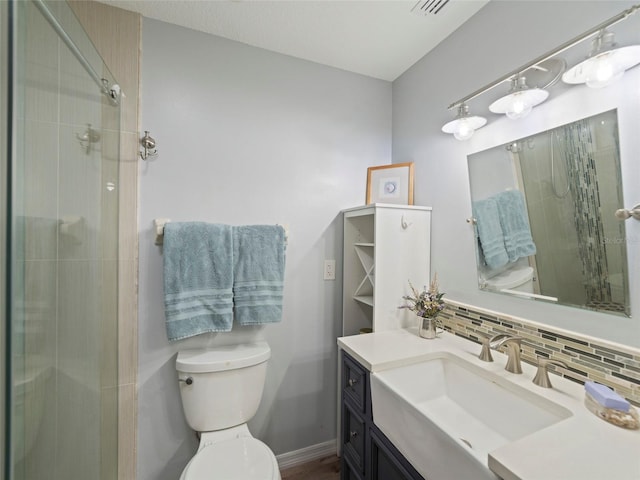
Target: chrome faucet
[(513, 352), (487, 341), (542, 375)]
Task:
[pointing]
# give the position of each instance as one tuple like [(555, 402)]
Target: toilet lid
[(511, 278), (243, 458)]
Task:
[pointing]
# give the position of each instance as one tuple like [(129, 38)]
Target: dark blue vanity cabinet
[(367, 454)]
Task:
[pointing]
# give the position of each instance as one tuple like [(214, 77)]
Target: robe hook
[(149, 145)]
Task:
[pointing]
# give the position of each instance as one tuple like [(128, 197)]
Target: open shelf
[(367, 300)]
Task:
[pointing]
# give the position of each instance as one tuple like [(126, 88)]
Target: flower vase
[(428, 327)]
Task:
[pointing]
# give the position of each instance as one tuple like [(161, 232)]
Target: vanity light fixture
[(464, 124), (614, 61), (520, 99), (605, 63)]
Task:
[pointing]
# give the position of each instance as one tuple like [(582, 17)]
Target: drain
[(467, 442)]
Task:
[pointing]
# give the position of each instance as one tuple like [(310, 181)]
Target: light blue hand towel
[(259, 259), (515, 225), (490, 232), (198, 279)]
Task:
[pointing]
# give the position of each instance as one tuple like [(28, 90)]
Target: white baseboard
[(307, 454)]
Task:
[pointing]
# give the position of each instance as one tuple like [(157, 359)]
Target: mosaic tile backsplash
[(613, 365)]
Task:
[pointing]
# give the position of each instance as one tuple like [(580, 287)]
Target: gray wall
[(248, 136), (500, 38)]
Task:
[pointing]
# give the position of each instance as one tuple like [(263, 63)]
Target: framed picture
[(390, 184)]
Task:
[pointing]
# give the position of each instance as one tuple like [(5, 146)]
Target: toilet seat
[(243, 458)]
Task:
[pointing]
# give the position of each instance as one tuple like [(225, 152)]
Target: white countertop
[(582, 447)]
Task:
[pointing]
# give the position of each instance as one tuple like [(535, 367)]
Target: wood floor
[(327, 468)]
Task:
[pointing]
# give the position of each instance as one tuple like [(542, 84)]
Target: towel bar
[(161, 222)]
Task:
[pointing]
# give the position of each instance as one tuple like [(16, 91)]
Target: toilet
[(221, 389), (517, 279)]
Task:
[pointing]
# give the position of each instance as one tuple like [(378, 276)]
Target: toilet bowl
[(221, 389)]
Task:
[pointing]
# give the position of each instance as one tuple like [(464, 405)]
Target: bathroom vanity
[(366, 452), (413, 408)]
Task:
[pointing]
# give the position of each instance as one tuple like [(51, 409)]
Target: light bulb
[(518, 108), (603, 71), (465, 131)]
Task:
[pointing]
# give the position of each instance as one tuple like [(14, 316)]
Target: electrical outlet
[(329, 270)]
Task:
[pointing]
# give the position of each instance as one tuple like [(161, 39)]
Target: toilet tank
[(221, 387)]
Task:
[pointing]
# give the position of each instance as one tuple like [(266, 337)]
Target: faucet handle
[(486, 340), (513, 353), (542, 375)]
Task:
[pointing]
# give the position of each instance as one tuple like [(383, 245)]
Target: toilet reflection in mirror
[(543, 209)]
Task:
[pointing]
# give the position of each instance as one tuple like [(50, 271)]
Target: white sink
[(446, 414)]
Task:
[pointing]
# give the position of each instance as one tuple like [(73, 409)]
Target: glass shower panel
[(4, 135), (64, 269)]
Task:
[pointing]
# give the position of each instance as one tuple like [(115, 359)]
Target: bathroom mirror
[(543, 214)]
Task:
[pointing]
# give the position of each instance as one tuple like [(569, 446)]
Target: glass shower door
[(64, 251), (4, 135)]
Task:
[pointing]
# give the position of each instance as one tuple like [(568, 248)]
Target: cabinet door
[(401, 255), (386, 462), (348, 473), (354, 439), (354, 384)]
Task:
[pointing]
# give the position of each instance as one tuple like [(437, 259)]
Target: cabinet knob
[(353, 434), (352, 381)]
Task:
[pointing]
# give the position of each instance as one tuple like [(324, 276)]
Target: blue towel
[(259, 258), (198, 279), (515, 225), (490, 232)]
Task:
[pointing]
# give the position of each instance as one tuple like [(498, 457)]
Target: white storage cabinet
[(385, 246)]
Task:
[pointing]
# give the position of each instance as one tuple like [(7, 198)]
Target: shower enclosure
[(60, 133)]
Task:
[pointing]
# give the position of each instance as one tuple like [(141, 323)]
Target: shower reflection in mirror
[(544, 224)]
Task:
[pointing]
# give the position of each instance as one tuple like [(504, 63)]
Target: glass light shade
[(519, 104), (463, 128), (605, 68)]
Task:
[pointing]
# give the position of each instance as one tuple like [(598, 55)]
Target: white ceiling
[(379, 38)]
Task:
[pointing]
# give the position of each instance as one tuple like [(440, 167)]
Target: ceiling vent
[(428, 7)]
